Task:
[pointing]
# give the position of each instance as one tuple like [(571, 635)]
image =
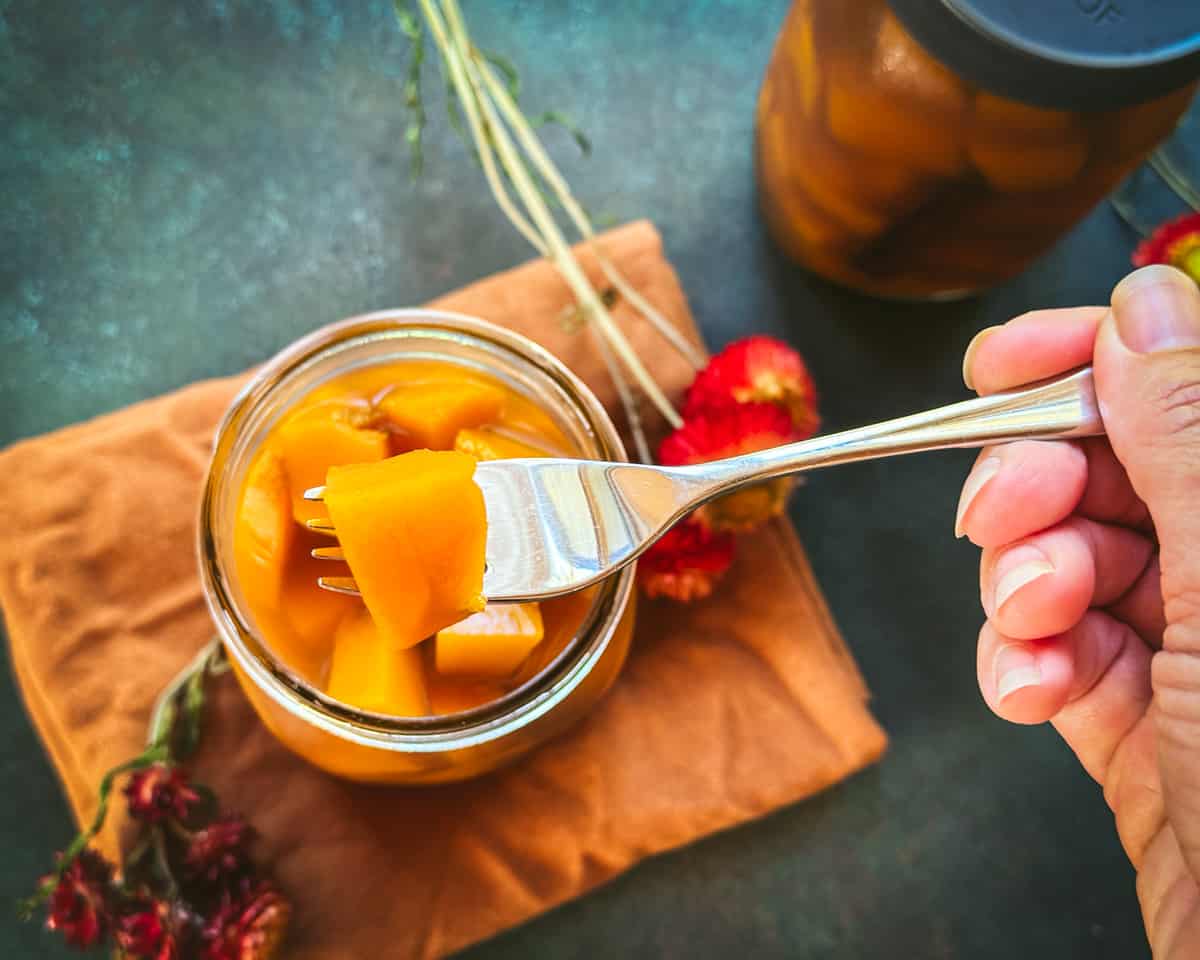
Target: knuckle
[(1181, 609), (1175, 679), (1175, 401)]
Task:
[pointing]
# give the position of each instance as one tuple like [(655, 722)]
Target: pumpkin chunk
[(264, 533), (413, 529), (371, 673), (492, 643), (312, 614), (430, 414), (485, 444), (1018, 147), (316, 439)]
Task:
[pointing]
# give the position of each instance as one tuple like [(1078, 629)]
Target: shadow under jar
[(927, 149), (339, 737)]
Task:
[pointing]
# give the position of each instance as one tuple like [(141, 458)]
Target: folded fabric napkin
[(727, 708)]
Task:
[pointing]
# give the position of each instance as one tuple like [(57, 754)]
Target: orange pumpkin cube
[(868, 119), (369, 672), (264, 533), (317, 438), (906, 105), (413, 529), (1018, 147), (312, 614), (492, 643), (485, 444), (431, 414)]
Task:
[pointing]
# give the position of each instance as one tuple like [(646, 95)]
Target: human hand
[(1090, 575)]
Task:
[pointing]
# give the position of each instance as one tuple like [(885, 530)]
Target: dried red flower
[(1176, 243), (757, 369), (80, 906), (158, 792), (248, 925), (147, 933), (219, 851), (686, 562), (727, 433)]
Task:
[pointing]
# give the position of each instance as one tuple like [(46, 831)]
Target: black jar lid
[(1065, 54)]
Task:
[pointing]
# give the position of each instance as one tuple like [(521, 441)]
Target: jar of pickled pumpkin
[(331, 677), (930, 148)]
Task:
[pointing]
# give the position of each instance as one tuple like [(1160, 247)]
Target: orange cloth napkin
[(727, 708)]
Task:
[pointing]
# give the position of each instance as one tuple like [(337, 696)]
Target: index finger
[(1031, 347)]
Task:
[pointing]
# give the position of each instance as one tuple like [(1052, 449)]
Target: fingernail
[(1014, 669), (976, 481), (969, 356), (1157, 308), (1028, 564)]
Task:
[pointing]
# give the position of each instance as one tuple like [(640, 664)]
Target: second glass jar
[(885, 171)]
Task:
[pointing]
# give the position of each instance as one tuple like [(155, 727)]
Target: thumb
[(1147, 367)]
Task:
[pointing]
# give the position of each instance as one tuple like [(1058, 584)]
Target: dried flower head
[(686, 562), (249, 924), (158, 792), (219, 851), (756, 369), (147, 931), (80, 906), (728, 433), (1176, 243)]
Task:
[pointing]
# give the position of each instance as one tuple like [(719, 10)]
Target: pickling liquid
[(347, 420)]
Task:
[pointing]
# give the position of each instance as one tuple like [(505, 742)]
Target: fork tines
[(344, 585)]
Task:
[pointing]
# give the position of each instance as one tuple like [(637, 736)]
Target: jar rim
[(1070, 56), (431, 734)]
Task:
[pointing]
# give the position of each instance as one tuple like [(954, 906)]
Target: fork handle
[(1051, 410)]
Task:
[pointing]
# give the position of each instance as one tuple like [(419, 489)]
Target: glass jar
[(905, 174), (1168, 185), (373, 747)]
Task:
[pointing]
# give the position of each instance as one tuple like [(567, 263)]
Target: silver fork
[(555, 526)]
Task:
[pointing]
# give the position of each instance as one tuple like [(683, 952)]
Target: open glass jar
[(931, 148), (337, 736)]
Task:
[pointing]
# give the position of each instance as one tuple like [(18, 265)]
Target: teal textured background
[(187, 186)]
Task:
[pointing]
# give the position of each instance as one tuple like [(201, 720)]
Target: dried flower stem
[(412, 88), (562, 192), (186, 691), (187, 686), (628, 401), (570, 269), (459, 81), (539, 212), (156, 753), (481, 93)]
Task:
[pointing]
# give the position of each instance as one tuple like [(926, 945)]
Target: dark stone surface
[(188, 186)]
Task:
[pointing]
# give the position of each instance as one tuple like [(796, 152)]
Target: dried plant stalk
[(511, 155)]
